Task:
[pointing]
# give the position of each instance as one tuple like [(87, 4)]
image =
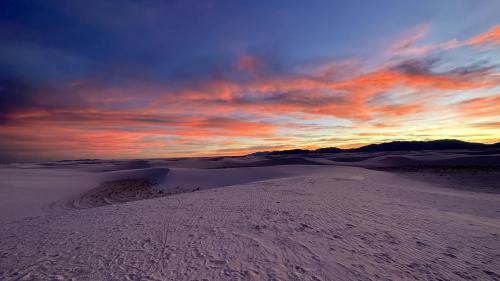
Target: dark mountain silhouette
[(289, 152), (419, 145), (446, 144), (495, 145), (328, 150)]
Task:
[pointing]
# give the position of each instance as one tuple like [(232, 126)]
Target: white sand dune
[(399, 159), (154, 175), (279, 222), (139, 184), (34, 191), (29, 192), (186, 179)]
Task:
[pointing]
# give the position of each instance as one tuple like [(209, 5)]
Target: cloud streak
[(408, 46)]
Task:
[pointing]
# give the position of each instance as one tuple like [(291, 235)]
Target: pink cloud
[(480, 107), (491, 38), (407, 46)]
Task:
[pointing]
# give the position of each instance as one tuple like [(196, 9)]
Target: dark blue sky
[(65, 39)]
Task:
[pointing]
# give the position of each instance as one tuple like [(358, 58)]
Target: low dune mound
[(94, 165), (470, 178), (469, 161), (429, 160), (115, 192), (478, 173), (481, 152), (187, 180), (107, 166), (353, 158), (270, 161), (397, 161), (140, 184), (240, 162), (119, 187), (154, 175)]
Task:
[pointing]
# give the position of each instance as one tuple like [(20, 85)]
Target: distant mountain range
[(446, 144)]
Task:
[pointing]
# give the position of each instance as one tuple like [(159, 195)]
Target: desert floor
[(379, 216)]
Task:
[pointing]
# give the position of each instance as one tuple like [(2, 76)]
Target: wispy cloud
[(408, 46), (481, 107), (490, 38)]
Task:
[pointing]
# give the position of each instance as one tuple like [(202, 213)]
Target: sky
[(149, 79)]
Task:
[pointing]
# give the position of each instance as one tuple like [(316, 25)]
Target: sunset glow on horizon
[(200, 78)]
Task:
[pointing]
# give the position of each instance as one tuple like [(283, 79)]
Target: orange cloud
[(345, 99), (399, 110), (248, 64), (97, 119), (485, 125), (490, 38), (407, 45), (55, 142), (93, 132), (481, 107)]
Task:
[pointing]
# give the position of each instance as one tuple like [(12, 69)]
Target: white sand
[(29, 192), (300, 222)]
